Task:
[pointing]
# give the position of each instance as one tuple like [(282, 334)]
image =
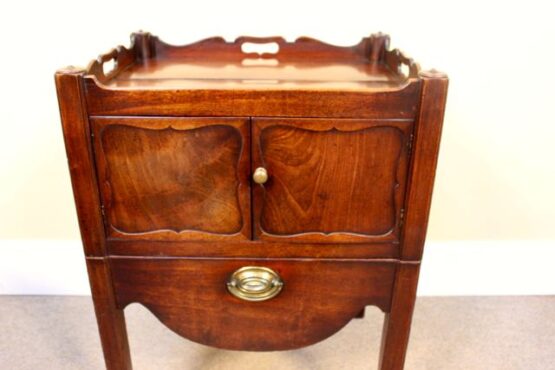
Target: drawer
[(312, 299)]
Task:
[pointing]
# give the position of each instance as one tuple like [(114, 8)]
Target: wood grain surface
[(250, 248), (110, 318), (161, 150), (330, 180), (424, 162), (400, 101), (76, 130), (174, 178), (191, 298)]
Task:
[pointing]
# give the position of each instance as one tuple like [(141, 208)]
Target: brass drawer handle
[(254, 283), (260, 175)]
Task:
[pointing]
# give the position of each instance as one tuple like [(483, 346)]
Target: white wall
[(496, 171)]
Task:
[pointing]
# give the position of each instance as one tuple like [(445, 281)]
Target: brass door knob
[(254, 283), (260, 175)]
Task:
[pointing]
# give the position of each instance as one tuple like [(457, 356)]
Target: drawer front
[(193, 297), (174, 178), (330, 180)]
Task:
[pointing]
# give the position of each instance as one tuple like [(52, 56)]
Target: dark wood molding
[(75, 125), (424, 161), (393, 103), (250, 249)]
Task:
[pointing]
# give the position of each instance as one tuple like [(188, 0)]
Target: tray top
[(254, 63), (254, 74)]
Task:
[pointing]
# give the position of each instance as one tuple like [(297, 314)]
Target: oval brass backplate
[(254, 283)]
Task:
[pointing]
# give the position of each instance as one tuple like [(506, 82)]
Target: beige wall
[(496, 173)]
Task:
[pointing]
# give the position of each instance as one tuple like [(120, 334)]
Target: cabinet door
[(174, 178), (328, 180)]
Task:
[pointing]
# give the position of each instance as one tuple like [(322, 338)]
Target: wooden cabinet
[(253, 201)]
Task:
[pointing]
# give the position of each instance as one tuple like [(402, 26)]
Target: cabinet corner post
[(424, 156), (77, 138)]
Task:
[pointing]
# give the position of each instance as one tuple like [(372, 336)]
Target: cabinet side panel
[(75, 124), (424, 160)]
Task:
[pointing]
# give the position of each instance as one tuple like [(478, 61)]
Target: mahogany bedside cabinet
[(255, 194)]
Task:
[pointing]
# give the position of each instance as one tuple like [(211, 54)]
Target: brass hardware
[(260, 175), (254, 283)]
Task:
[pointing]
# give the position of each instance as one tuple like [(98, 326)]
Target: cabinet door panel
[(174, 178), (330, 180)]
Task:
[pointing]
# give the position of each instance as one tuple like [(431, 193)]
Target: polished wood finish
[(396, 328), (216, 318), (320, 169), (424, 162), (305, 61), (377, 103), (300, 50), (162, 149), (307, 78), (174, 178), (110, 318), (75, 124), (254, 248)]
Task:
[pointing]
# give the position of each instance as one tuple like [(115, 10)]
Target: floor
[(498, 333)]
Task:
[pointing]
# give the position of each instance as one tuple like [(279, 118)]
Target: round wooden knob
[(260, 175)]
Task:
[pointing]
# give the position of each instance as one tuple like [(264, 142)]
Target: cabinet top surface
[(249, 63), (254, 74)]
